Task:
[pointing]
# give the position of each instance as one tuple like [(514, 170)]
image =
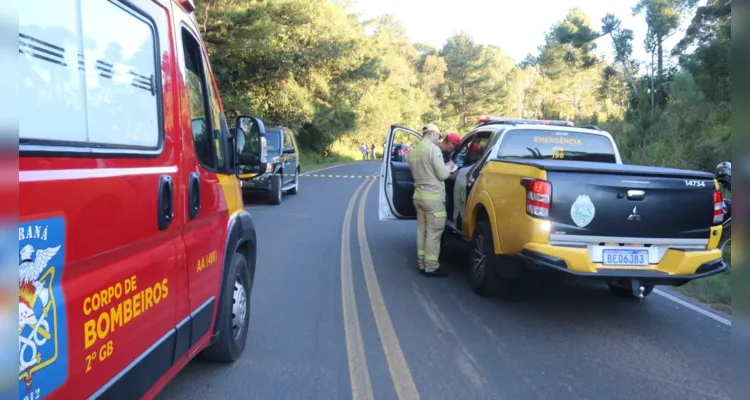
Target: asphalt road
[(356, 320)]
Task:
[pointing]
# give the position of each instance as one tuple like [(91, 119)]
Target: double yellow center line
[(358, 370)]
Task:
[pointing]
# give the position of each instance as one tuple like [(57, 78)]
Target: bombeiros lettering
[(115, 306)]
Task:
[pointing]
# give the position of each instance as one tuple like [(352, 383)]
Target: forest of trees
[(314, 66)]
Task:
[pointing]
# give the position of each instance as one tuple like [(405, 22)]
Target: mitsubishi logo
[(634, 216)]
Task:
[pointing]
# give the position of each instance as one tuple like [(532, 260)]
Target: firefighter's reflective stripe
[(428, 170), (418, 194)]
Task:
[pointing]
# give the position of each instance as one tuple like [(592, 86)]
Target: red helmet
[(454, 138)]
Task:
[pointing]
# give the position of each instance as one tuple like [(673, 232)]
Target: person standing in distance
[(429, 173)]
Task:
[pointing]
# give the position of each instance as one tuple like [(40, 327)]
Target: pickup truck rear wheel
[(236, 303), (485, 264)]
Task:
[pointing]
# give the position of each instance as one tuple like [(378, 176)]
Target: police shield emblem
[(42, 331), (582, 211)]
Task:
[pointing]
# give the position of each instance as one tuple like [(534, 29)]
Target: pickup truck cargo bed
[(627, 201)]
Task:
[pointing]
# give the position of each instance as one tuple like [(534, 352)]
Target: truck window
[(200, 113), (216, 118), (88, 77), (273, 141), (472, 150), (288, 138), (562, 145)]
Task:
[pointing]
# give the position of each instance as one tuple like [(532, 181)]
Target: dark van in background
[(282, 171)]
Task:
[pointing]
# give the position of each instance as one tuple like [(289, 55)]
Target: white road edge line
[(695, 308)]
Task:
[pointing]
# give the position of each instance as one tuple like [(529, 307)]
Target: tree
[(469, 82), (572, 71), (663, 19), (313, 66), (622, 41), (710, 31)]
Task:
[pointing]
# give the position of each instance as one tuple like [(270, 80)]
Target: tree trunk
[(463, 106), (651, 72), (205, 16), (660, 64), (630, 76), (624, 63)]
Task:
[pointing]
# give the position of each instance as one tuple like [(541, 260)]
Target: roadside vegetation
[(310, 160), (339, 81), (715, 291)]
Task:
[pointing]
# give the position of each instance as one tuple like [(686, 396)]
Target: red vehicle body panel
[(120, 284)]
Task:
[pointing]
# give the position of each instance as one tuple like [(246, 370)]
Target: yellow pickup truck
[(550, 195)]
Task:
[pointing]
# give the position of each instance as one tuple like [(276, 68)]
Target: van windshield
[(559, 145)]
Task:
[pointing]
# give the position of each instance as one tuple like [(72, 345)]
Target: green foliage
[(339, 81), (715, 290)]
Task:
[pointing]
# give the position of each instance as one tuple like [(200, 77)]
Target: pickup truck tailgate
[(615, 200)]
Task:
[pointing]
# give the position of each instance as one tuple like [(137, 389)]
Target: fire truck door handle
[(165, 203), (194, 195)]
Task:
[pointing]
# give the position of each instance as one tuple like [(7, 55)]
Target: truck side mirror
[(250, 146)]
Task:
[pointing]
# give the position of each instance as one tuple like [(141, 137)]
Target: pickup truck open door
[(396, 182)]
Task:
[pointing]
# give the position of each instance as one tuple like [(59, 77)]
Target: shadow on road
[(546, 294), (252, 199)]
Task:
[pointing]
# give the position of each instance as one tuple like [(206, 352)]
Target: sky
[(517, 26)]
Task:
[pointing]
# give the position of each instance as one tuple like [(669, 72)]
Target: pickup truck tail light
[(538, 197), (718, 207)]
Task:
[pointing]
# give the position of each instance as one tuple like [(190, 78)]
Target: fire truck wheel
[(236, 302)]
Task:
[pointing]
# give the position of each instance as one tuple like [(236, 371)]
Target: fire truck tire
[(234, 328)]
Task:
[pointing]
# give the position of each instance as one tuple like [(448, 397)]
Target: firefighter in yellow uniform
[(429, 172)]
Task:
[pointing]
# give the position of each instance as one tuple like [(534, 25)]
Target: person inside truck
[(473, 155)]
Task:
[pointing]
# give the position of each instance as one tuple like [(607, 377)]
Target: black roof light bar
[(485, 120)]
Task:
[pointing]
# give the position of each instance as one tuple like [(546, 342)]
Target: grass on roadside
[(715, 290)]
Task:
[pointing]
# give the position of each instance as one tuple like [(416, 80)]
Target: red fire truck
[(135, 251)]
